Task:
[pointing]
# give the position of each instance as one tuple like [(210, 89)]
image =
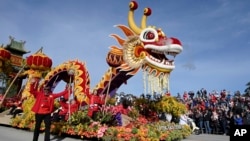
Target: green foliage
[(170, 105), (133, 113), (79, 117), (134, 130), (104, 118), (111, 101)]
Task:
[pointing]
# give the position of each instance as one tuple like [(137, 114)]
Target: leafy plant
[(79, 117), (170, 105)]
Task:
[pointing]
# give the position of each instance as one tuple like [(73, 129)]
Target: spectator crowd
[(215, 112)]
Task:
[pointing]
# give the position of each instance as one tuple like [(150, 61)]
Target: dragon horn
[(133, 6), (147, 12)]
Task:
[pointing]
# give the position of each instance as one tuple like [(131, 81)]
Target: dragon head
[(146, 47), (151, 46)]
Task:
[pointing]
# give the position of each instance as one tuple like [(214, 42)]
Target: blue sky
[(215, 35)]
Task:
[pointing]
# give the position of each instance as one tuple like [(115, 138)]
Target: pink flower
[(94, 123), (100, 134), (103, 129)]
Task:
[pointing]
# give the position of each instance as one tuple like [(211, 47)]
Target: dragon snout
[(162, 41), (175, 45)]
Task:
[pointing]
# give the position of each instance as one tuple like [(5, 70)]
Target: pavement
[(207, 137), (14, 134), (6, 119)]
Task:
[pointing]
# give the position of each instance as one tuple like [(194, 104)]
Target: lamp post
[(71, 73)]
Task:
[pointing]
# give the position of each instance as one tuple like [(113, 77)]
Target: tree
[(247, 90)]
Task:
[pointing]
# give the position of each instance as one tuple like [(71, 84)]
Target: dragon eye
[(149, 35)]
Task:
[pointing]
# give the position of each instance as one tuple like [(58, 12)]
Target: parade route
[(13, 134), (8, 133), (207, 137), (4, 118)]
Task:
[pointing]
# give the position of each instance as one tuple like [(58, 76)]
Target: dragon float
[(145, 48)]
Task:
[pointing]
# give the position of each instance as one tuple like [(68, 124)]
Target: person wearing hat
[(95, 101), (43, 107)]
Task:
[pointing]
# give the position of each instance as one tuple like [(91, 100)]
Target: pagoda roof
[(17, 46)]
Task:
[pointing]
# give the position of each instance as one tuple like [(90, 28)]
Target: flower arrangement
[(164, 131), (104, 125), (169, 104)]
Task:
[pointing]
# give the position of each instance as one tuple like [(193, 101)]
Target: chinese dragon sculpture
[(145, 47)]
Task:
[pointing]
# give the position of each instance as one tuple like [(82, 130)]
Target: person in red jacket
[(43, 107), (68, 109), (95, 101), (63, 109)]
